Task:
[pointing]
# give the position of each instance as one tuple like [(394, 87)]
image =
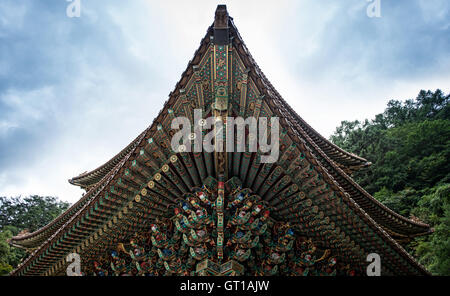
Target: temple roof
[(342, 162), (360, 221)]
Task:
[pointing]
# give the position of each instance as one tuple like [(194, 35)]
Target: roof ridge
[(313, 143), (364, 162), (117, 157)]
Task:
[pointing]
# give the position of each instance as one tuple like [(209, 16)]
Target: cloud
[(75, 91)]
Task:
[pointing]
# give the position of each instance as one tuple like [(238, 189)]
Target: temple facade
[(156, 210)]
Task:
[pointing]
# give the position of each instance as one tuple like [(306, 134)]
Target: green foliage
[(409, 146), (17, 214), (9, 256), (31, 213), (434, 251)]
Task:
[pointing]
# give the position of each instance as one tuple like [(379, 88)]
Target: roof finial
[(221, 19), (221, 36)]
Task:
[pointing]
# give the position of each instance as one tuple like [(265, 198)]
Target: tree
[(31, 213), (17, 214), (408, 144), (434, 251)]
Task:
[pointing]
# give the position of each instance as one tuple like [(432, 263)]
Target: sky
[(74, 91)]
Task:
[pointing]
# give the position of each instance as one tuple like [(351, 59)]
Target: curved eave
[(88, 179), (367, 218), (382, 214), (61, 231), (349, 162), (393, 222), (36, 238), (387, 218)]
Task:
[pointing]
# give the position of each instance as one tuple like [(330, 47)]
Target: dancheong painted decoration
[(151, 210)]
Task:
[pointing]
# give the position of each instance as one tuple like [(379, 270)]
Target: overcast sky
[(75, 91)]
